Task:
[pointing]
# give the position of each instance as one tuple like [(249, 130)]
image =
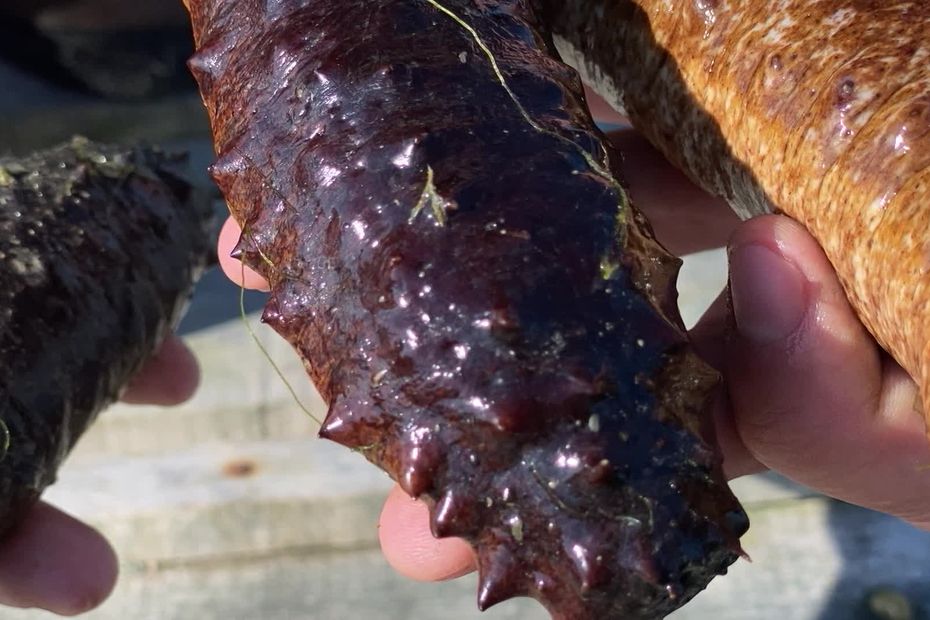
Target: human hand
[(55, 562), (808, 391)]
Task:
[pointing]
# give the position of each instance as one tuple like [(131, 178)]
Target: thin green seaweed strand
[(5, 439), (261, 347)]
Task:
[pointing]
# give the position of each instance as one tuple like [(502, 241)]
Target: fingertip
[(784, 290), (770, 295), (409, 546), (232, 267), (785, 321), (170, 377), (803, 375), (795, 245), (54, 562)]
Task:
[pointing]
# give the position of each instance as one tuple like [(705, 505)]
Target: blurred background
[(229, 508)]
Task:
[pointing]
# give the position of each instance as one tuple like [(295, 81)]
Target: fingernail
[(769, 294)]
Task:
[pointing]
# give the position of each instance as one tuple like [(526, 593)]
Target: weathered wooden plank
[(228, 501)]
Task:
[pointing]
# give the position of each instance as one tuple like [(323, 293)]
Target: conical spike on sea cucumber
[(419, 462), (244, 246), (500, 577), (208, 64), (202, 65), (453, 515), (228, 167), (271, 315)]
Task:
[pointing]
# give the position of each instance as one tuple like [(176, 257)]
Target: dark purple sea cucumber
[(451, 252)]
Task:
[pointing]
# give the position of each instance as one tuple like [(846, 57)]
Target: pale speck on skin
[(516, 528), (27, 264)]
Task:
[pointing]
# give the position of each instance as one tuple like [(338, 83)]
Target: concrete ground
[(228, 508)]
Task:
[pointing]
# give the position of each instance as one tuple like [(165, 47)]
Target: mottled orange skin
[(819, 109)]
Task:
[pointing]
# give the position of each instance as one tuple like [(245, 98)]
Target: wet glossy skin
[(99, 249), (489, 319)]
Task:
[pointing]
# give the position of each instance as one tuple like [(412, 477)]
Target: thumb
[(812, 395)]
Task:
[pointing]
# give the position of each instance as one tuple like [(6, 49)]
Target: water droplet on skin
[(581, 555), (901, 144), (708, 12), (328, 175), (480, 404), (412, 340), (405, 157), (570, 462)]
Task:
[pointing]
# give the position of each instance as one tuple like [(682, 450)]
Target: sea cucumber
[(99, 250), (451, 251)]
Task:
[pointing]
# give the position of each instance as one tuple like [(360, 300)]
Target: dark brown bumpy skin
[(488, 318), (99, 249)]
